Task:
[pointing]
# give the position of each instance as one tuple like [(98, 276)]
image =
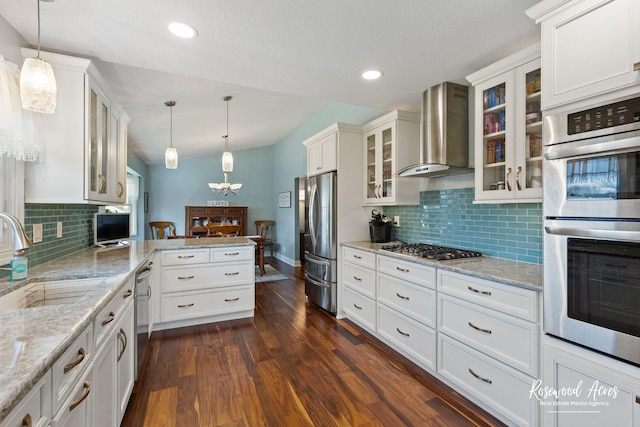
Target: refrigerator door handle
[(316, 282), (312, 217), (315, 260)]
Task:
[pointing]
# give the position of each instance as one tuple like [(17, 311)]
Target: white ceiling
[(281, 60)]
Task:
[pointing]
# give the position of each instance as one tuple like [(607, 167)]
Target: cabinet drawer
[(412, 300), (77, 408), (509, 339), (360, 279), (411, 271), (34, 407), (360, 309), (361, 258), (191, 256), (502, 388), (69, 366), (188, 305), (505, 298), (107, 317), (206, 276), (233, 253), (409, 336)]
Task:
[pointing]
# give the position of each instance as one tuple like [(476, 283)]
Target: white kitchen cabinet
[(77, 410), (205, 285), (106, 380), (84, 141), (391, 142), (34, 409), (609, 390), (359, 287), (488, 342), (406, 308), (322, 154), (589, 47), (508, 129), (125, 360)]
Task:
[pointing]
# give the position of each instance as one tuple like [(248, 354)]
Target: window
[(133, 192), (12, 201)]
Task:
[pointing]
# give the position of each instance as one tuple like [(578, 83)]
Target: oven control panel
[(605, 116)]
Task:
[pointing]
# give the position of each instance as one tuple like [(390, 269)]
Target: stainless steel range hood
[(444, 132)]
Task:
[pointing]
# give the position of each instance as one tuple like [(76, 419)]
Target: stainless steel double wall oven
[(591, 209)]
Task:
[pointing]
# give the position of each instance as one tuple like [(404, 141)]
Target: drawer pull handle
[(477, 328), (478, 291), (231, 253), (26, 421), (402, 296), (87, 387), (185, 305), (357, 306), (404, 270), (232, 299), (357, 256), (357, 278), (127, 294), (185, 256), (185, 277), (402, 333), (109, 319), (82, 353), (636, 66), (235, 273), (638, 399), (486, 380)]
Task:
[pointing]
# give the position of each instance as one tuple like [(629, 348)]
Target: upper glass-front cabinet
[(508, 134), (380, 164)]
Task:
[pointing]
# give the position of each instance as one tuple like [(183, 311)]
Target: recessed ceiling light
[(183, 30), (372, 74)]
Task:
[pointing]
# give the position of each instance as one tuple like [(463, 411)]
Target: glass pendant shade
[(38, 89), (171, 158), (227, 161)]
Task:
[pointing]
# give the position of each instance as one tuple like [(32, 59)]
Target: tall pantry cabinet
[(84, 142)]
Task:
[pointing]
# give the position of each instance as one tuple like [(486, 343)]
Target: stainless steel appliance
[(591, 195), (444, 139), (438, 253), (320, 276), (142, 313)]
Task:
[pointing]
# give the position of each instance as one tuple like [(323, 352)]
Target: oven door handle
[(594, 233), (625, 143)]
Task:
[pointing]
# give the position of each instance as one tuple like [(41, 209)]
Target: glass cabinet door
[(372, 166), (99, 114), (379, 157), (531, 158), (386, 137), (496, 140)]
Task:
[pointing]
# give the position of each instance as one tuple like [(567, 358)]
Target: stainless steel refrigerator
[(321, 252)]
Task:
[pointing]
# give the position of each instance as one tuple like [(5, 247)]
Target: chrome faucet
[(20, 239)]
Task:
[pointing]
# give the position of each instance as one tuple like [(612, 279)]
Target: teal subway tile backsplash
[(449, 218)]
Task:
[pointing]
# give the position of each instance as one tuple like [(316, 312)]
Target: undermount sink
[(40, 294)]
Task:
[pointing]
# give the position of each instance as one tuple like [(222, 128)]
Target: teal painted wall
[(449, 218), (170, 190), (290, 162), (137, 165)]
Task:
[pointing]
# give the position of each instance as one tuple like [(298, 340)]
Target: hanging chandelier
[(227, 164), (38, 89), (171, 155)]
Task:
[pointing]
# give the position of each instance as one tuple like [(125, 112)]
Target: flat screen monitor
[(111, 229)]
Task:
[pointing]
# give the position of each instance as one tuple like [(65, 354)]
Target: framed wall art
[(284, 199)]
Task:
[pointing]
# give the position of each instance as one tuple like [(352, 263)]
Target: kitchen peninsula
[(33, 340)]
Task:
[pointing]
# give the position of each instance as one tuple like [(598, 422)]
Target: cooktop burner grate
[(437, 253)]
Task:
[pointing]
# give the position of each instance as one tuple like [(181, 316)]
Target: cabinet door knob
[(508, 179), (518, 178), (120, 189)]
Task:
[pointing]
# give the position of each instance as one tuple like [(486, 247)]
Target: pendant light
[(171, 155), (227, 163), (38, 90)]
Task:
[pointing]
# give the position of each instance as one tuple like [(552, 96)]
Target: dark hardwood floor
[(291, 365)]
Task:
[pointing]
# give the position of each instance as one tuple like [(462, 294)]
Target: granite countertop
[(521, 274), (32, 339)]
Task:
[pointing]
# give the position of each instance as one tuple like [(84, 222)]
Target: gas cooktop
[(438, 253)]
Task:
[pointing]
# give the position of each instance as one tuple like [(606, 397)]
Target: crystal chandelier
[(171, 155), (38, 89), (227, 164)]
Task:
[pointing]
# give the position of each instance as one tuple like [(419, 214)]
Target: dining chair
[(222, 230), (162, 229), (264, 229)]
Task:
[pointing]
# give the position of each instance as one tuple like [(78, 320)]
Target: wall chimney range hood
[(444, 132)]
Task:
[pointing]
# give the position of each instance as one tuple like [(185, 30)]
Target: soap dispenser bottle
[(19, 267)]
